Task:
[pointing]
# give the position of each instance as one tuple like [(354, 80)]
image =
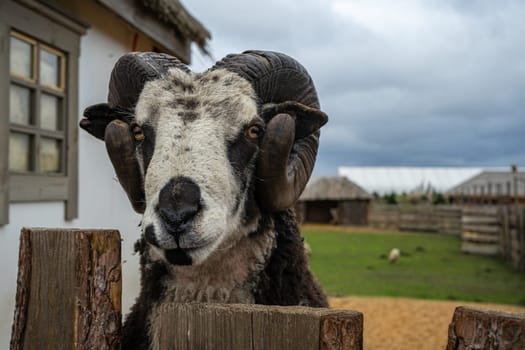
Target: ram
[(215, 162)]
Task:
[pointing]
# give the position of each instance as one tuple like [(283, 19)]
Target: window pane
[(19, 105), (21, 58), (19, 152), (49, 68), (49, 155), (49, 112)]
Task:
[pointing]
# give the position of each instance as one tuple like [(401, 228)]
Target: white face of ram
[(195, 128)]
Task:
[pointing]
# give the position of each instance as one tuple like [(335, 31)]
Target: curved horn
[(120, 145), (132, 71), (287, 153), (111, 121)]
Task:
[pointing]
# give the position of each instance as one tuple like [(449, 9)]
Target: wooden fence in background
[(512, 244), (496, 231), (489, 230), (440, 218), (481, 230), (384, 216)]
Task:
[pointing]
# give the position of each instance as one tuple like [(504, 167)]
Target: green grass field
[(430, 267)]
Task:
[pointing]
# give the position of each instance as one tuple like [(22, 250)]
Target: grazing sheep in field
[(215, 161), (394, 255)]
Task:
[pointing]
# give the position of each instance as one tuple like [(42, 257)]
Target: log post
[(256, 327), (477, 329), (68, 290)]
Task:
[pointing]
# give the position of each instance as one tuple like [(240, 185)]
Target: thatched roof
[(333, 188), (175, 15)]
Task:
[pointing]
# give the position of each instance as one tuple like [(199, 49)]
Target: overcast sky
[(405, 82)]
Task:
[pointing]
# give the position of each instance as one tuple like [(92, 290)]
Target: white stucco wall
[(102, 202)]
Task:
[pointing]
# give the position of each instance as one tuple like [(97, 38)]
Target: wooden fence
[(489, 230), (477, 329), (384, 216), (69, 292), (440, 219), (495, 230), (69, 295), (257, 327), (512, 244), (481, 230)]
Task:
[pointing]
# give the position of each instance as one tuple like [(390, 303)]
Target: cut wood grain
[(477, 329)]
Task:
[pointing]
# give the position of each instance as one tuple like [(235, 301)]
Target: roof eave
[(151, 26)]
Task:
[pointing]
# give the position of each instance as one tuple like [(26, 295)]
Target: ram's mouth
[(179, 256)]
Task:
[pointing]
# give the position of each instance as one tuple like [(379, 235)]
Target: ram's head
[(205, 156)]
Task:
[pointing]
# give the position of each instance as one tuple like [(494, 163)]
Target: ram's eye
[(254, 132), (137, 133)]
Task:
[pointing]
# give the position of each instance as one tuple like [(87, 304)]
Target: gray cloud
[(415, 83)]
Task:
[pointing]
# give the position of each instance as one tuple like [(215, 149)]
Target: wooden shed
[(334, 200)]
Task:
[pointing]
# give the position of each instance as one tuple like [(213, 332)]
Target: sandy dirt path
[(408, 324)]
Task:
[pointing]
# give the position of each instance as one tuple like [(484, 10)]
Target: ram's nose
[(179, 203)]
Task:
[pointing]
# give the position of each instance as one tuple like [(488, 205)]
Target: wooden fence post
[(68, 290), (520, 239), (257, 327), (477, 329)]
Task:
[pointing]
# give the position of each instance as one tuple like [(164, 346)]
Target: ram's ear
[(97, 118), (307, 119)]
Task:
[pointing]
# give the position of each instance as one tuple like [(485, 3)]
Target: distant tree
[(438, 198), (390, 198)]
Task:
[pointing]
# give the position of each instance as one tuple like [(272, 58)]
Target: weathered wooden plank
[(453, 225), (98, 289), (505, 243), (203, 326), (480, 248), (480, 210), (478, 220), (482, 228), (477, 329), (451, 208), (68, 290), (257, 327), (478, 237), (519, 259), (286, 328)]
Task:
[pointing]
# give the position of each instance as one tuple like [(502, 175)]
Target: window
[(38, 106), (36, 101)]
